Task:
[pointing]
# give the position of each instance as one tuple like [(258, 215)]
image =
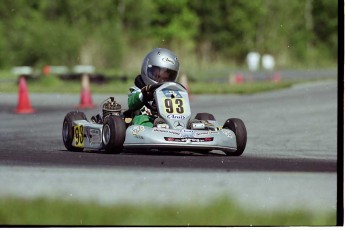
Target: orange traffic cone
[(85, 95), (24, 106), (184, 82), (46, 70), (276, 77), (239, 79)]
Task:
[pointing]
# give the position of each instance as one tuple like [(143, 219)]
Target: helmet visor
[(160, 74)]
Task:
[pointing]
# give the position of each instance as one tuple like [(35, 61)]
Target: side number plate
[(79, 136)]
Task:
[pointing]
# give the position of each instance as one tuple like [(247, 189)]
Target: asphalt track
[(290, 160)]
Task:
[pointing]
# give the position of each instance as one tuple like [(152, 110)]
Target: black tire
[(67, 129), (204, 116), (238, 127), (113, 134)]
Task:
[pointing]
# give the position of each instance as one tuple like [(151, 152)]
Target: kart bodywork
[(177, 130)]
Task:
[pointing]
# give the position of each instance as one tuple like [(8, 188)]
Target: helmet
[(160, 65)]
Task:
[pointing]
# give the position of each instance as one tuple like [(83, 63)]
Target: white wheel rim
[(106, 134)]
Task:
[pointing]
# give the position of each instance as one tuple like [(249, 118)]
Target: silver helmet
[(160, 65)]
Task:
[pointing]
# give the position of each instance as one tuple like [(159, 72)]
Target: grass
[(52, 84), (245, 88), (220, 212)]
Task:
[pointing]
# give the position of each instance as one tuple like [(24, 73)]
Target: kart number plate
[(174, 105), (79, 136)]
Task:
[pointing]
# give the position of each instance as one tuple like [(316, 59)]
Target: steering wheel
[(152, 89)]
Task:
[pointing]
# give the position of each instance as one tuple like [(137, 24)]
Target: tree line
[(112, 33)]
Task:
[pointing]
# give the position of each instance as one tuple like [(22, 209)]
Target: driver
[(159, 65)]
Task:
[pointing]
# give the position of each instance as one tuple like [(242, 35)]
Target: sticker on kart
[(79, 136), (174, 106), (174, 139)]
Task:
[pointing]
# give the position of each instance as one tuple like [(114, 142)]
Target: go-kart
[(174, 128)]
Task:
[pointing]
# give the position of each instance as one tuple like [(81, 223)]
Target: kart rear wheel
[(238, 127), (113, 134), (68, 131), (204, 116)]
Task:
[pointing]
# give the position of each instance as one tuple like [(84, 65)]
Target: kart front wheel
[(238, 127), (113, 134), (67, 129)]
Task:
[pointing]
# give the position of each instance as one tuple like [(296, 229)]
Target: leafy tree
[(227, 27), (102, 33), (325, 26)]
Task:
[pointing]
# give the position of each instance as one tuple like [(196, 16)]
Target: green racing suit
[(135, 103)]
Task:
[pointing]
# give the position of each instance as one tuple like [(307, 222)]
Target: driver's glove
[(147, 94)]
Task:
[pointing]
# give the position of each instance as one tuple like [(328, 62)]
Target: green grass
[(245, 88), (221, 212), (52, 84)]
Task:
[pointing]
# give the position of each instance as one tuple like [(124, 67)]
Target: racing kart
[(174, 128)]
